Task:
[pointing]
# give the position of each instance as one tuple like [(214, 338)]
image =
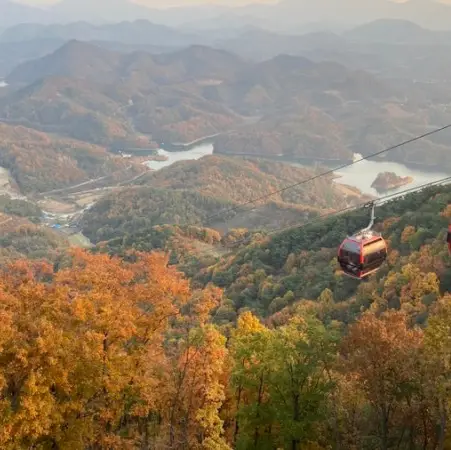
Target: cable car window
[(375, 257), (351, 246), (353, 258), (375, 253), (374, 247)]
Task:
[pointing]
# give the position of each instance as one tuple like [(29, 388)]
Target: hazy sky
[(159, 3)]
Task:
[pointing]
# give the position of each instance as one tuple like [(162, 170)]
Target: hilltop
[(235, 179), (287, 106), (319, 137), (191, 192), (23, 236), (68, 107), (90, 62), (124, 93), (40, 162), (286, 77), (397, 31), (74, 59)]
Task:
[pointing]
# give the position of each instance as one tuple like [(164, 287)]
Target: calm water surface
[(188, 155), (360, 175)]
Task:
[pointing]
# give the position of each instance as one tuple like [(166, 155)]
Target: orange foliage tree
[(84, 354)]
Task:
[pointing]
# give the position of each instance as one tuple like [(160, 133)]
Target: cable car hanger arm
[(373, 218)]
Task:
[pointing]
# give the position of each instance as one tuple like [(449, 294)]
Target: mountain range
[(286, 15), (286, 106), (126, 32), (89, 93), (388, 48)]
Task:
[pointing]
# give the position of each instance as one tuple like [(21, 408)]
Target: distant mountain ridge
[(251, 43), (393, 31), (286, 15), (428, 13), (115, 97), (288, 106), (126, 32), (83, 60), (12, 13)]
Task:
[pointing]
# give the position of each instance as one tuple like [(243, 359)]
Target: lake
[(360, 175), (187, 155)]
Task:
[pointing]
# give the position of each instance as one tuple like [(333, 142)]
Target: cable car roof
[(366, 236)]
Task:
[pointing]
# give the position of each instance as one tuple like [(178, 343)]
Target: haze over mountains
[(211, 176), (285, 16), (86, 91), (388, 48), (76, 106)]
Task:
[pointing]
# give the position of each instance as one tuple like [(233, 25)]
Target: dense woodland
[(270, 348), (22, 235), (272, 273), (269, 274), (260, 344), (20, 208), (197, 192), (39, 162), (188, 327)]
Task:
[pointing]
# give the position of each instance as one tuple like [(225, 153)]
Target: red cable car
[(448, 238), (363, 253)]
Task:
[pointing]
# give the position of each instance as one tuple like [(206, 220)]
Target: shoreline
[(308, 161), (180, 147), (393, 186), (300, 160)]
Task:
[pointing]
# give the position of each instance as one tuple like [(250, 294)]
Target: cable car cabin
[(448, 238), (362, 254)]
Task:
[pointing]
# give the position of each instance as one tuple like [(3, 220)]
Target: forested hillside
[(109, 353), (71, 108), (286, 106), (210, 312), (102, 96), (189, 193), (300, 264), (23, 236), (39, 162), (270, 274)]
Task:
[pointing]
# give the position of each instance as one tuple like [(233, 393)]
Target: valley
[(306, 114), (66, 206), (185, 255)]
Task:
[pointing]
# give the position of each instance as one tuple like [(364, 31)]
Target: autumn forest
[(125, 352), (151, 302), (108, 354)]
